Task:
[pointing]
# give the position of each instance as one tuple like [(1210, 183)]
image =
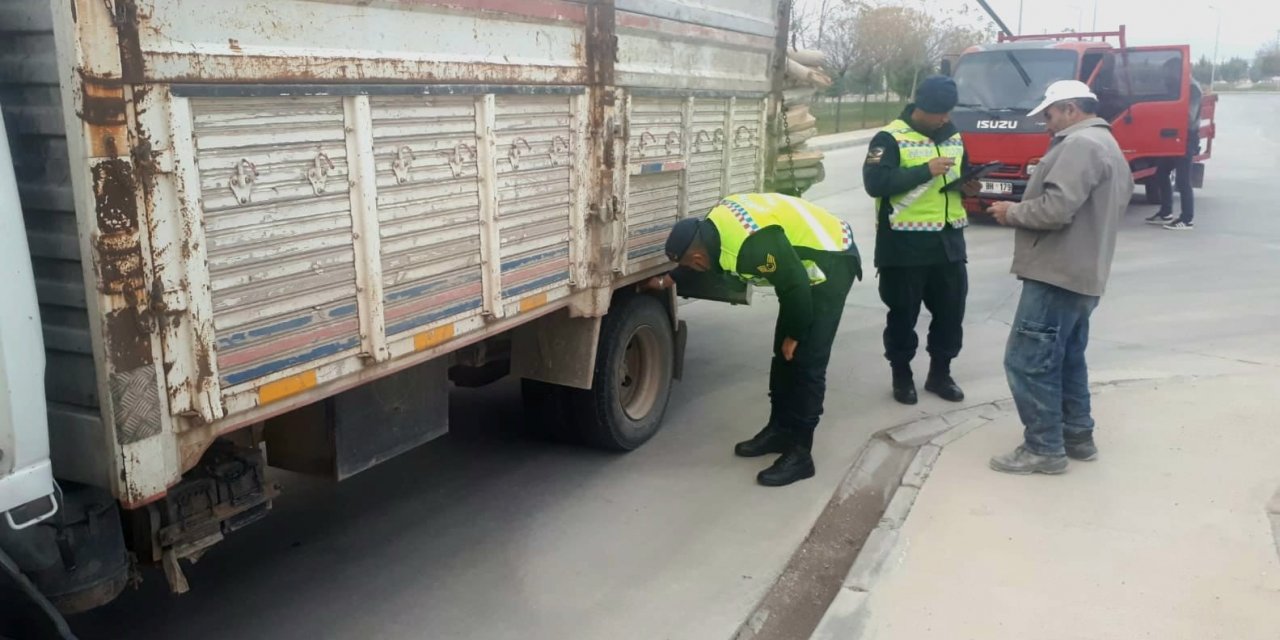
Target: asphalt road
[(489, 534)]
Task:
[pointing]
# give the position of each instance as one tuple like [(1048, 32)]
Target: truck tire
[(633, 375)]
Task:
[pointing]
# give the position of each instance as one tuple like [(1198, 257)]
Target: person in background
[(1065, 241), (920, 250), (1180, 167)]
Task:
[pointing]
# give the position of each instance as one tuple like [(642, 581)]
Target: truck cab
[(26, 476), (1144, 92)]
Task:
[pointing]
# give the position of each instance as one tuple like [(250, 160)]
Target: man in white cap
[(1067, 222)]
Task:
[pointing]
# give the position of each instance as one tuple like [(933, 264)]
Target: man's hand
[(971, 188), (789, 348), (939, 166), (1000, 211), (656, 283)]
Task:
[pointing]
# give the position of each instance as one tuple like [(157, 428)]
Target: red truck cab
[(1145, 92)]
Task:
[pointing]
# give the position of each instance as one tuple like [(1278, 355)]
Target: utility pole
[(1095, 16), (1217, 34), (1020, 17)]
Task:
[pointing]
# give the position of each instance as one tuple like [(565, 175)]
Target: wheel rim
[(638, 382)]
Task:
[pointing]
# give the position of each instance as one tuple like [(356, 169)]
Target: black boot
[(940, 382), (794, 465), (769, 440), (904, 385)]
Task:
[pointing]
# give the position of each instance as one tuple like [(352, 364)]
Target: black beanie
[(937, 94)]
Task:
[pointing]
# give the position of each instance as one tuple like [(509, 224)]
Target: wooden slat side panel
[(274, 183)]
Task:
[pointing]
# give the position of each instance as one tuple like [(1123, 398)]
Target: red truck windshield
[(1012, 80)]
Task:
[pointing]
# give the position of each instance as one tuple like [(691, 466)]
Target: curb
[(846, 526), (846, 616), (837, 141), (1273, 513)]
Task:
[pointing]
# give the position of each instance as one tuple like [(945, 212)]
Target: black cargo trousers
[(798, 387), (943, 289)]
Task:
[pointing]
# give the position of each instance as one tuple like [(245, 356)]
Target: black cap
[(682, 235), (937, 94)]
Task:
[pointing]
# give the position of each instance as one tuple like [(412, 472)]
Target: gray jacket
[(1069, 215)]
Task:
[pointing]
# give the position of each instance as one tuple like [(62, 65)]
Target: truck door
[(26, 476), (1151, 85)]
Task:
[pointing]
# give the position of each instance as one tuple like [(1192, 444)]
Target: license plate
[(997, 188)]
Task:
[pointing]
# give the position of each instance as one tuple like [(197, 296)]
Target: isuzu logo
[(997, 124)]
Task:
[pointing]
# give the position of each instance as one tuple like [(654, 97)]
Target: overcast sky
[(1246, 24)]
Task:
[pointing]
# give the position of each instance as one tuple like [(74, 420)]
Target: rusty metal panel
[(754, 17), (179, 254), (496, 41), (746, 142), (429, 210), (534, 142), (657, 163), (32, 112), (706, 164), (652, 207), (277, 216), (696, 52)]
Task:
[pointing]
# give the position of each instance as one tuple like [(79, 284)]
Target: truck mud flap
[(370, 424)]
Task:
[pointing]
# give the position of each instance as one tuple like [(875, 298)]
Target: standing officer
[(808, 256), (920, 251)]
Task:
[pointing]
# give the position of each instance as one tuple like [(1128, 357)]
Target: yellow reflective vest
[(927, 207), (805, 224)]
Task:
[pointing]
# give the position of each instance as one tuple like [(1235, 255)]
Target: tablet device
[(974, 172)]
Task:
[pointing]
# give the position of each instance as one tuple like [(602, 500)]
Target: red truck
[(1144, 92)]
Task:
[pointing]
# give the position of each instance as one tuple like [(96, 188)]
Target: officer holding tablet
[(914, 169)]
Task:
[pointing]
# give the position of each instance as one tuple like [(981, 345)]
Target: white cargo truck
[(271, 233)]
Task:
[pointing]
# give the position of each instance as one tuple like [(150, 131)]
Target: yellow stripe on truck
[(433, 337), (285, 387), (533, 302)]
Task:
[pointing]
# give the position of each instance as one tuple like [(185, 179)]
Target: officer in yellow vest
[(809, 257), (920, 251)]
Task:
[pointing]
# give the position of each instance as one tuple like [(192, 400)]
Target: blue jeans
[(1044, 362)]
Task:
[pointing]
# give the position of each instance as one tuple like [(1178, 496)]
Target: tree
[(840, 45), (1233, 70), (885, 38), (1202, 70), (935, 38), (823, 18), (803, 21), (1267, 64)]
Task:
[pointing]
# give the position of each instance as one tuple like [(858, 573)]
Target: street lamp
[(1213, 67)]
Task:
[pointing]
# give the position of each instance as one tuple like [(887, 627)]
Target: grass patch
[(854, 114)]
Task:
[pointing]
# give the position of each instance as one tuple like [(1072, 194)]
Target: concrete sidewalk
[(1170, 534)]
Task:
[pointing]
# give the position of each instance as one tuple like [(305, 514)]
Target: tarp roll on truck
[(270, 233)]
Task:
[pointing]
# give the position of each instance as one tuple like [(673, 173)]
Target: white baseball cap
[(1063, 90)]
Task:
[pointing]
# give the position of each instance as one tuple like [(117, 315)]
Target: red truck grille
[(1007, 170)]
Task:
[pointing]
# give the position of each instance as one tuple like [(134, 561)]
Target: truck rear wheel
[(632, 383)]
